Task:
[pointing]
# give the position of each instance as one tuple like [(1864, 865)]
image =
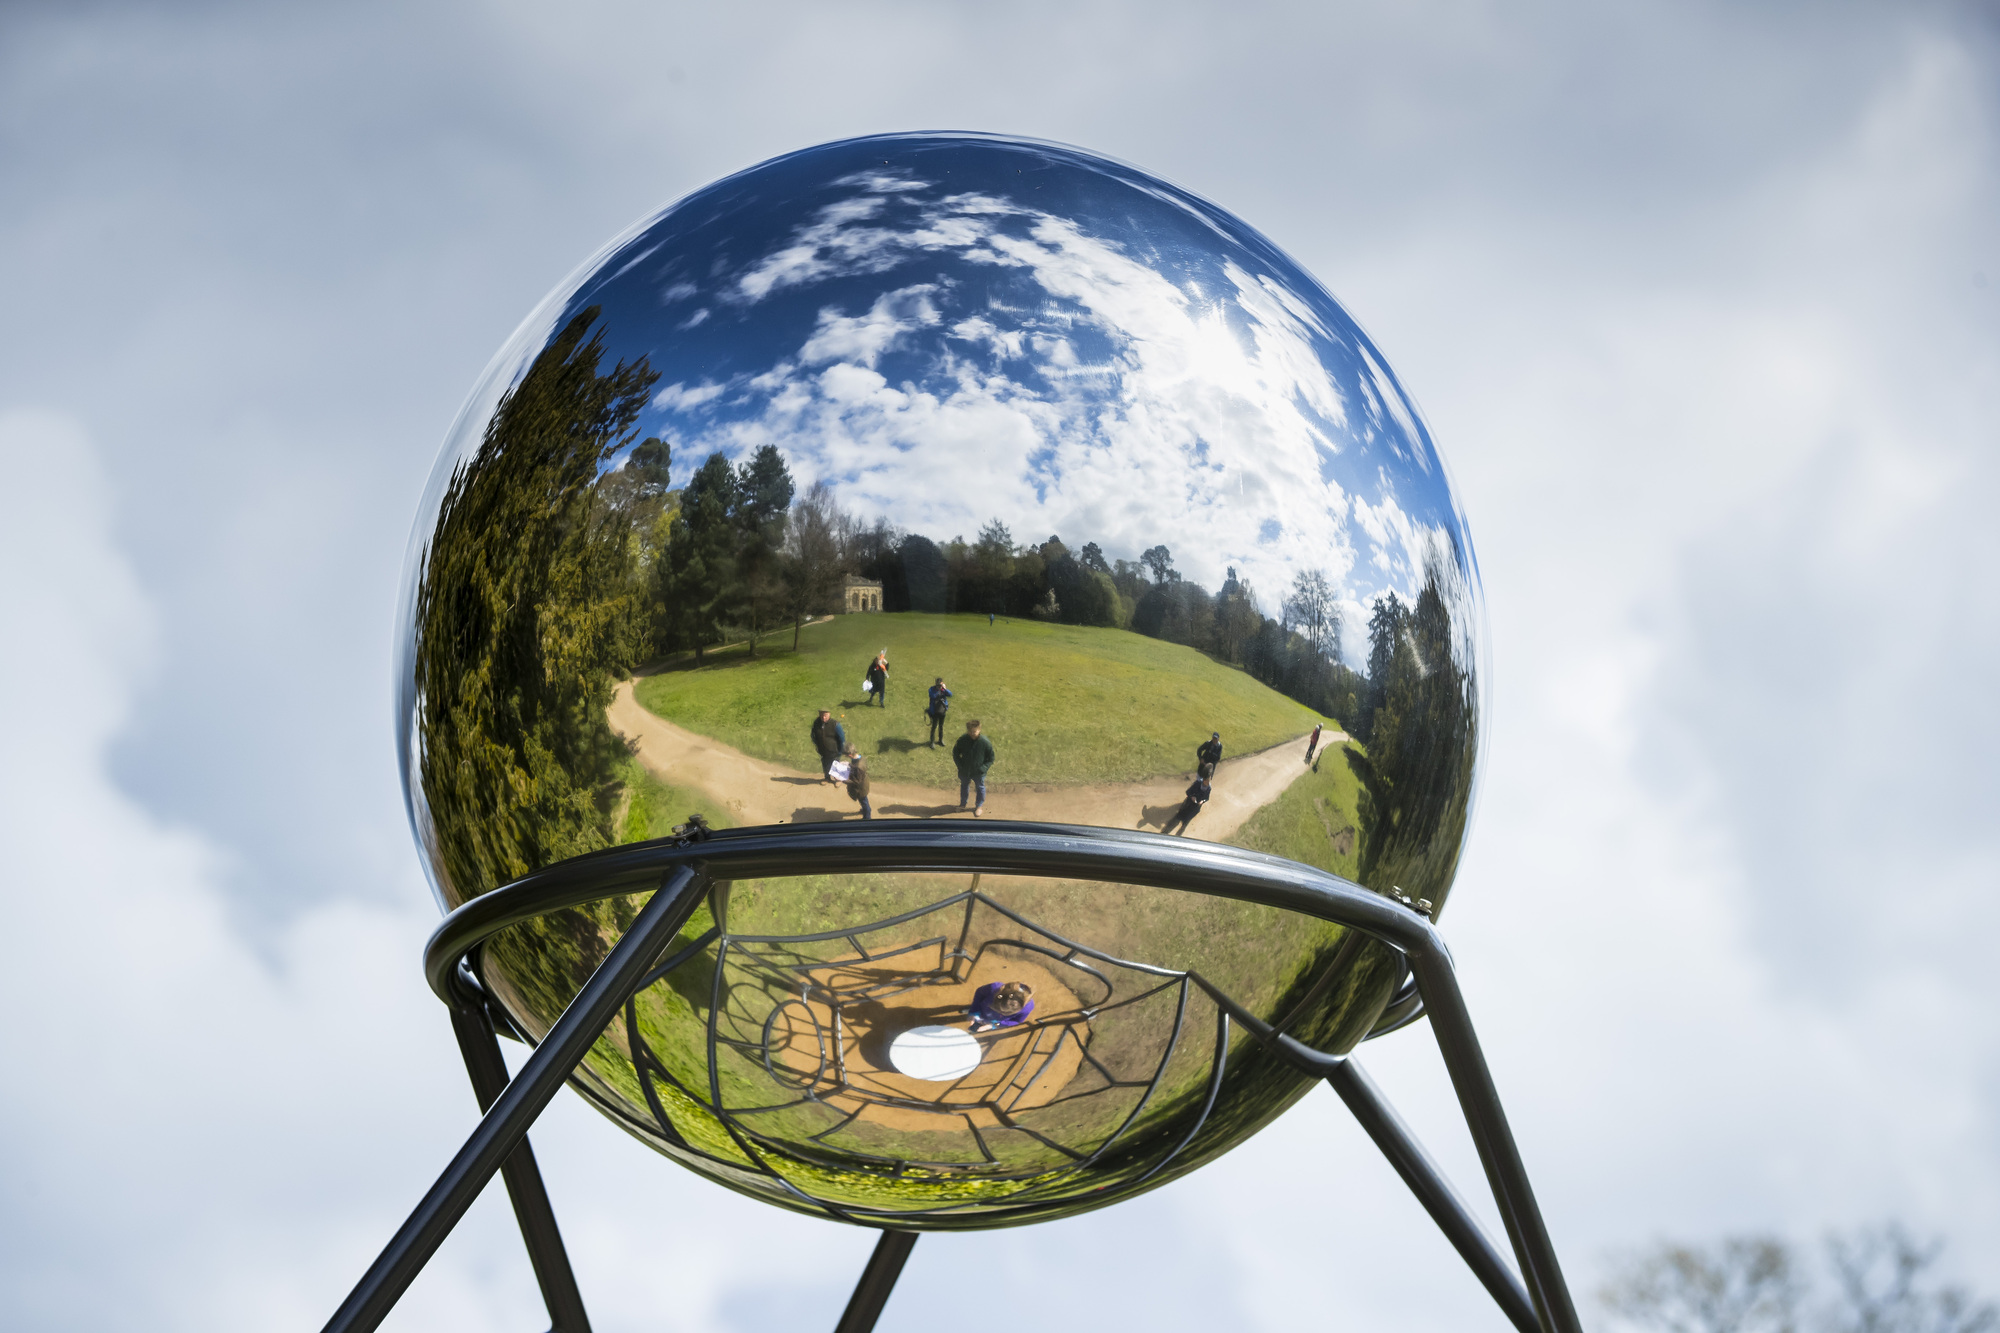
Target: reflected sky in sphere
[(1219, 589), (953, 328)]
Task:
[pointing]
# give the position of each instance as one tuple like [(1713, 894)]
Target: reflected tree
[(1416, 776), (526, 607), (697, 585), (763, 503), (813, 566)]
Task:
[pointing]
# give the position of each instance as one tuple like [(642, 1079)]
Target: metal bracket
[(1537, 1301)]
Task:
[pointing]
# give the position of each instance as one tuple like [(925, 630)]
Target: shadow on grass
[(896, 745)]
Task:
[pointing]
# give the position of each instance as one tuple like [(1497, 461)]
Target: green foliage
[(1315, 821), (1417, 771), (726, 558), (524, 610), (697, 585), (649, 466), (1083, 595)]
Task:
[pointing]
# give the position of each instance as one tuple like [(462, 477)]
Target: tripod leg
[(1439, 1199), (506, 1124), (864, 1307), (1451, 1024), (524, 1179)]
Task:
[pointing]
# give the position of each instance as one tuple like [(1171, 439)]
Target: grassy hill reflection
[(1062, 703)]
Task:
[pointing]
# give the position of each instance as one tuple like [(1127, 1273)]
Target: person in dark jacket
[(1210, 751), (1001, 1004), (973, 754), (940, 704), (830, 739), (1312, 742), (878, 676), (857, 782), (1198, 793)]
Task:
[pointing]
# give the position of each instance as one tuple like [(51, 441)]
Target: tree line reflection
[(551, 574)]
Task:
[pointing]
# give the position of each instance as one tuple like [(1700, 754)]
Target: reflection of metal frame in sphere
[(682, 871)]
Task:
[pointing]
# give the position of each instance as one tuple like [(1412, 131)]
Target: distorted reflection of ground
[(802, 1029), (837, 1039)]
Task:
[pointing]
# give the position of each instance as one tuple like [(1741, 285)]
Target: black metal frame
[(678, 874)]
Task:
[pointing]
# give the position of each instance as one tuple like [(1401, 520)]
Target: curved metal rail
[(681, 869)]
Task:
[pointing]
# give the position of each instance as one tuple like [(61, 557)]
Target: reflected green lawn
[(1062, 703)]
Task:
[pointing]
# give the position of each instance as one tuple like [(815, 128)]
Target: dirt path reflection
[(757, 792)]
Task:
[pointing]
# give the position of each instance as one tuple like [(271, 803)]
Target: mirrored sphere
[(943, 476)]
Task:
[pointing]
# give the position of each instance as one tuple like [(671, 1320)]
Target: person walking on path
[(940, 705), (1001, 1004), (878, 677), (1312, 742), (973, 754), (830, 739), (1198, 793), (857, 782), (1210, 750)]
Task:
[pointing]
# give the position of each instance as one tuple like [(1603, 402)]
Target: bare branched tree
[(1309, 610), (1881, 1283), (1880, 1273), (1746, 1284), (814, 566)]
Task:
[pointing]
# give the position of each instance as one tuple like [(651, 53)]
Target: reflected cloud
[(674, 572)]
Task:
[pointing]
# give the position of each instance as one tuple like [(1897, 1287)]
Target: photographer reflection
[(1001, 1004), (1198, 793)]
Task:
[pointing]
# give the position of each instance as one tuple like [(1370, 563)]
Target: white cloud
[(862, 339), (679, 397), (1205, 426), (1708, 361)]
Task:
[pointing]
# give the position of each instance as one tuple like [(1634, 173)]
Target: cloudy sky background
[(1699, 301)]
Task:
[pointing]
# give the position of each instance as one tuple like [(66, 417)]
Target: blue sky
[(1698, 300), (958, 330)]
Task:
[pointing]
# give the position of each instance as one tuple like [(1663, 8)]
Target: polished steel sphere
[(943, 476)]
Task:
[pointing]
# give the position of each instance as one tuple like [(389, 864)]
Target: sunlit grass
[(1061, 703)]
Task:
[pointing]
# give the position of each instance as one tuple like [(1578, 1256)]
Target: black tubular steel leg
[(1439, 1199), (506, 1124), (524, 1179), (1480, 1101), (871, 1293)]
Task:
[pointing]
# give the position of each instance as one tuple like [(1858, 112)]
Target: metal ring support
[(990, 847), (1070, 852)]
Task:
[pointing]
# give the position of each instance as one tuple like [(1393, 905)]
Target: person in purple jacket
[(1001, 1004)]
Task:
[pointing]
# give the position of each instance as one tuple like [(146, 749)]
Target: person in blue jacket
[(940, 704), (1001, 1004)]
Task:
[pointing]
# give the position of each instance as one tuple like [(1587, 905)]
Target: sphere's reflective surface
[(996, 417)]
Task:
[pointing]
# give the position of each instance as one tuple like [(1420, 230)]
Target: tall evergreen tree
[(763, 500), (698, 578), (522, 617)]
